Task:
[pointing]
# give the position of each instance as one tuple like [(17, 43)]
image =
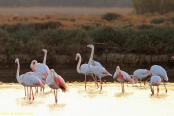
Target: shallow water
[(136, 101)]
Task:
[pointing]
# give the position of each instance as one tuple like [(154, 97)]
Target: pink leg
[(100, 84), (95, 80), (32, 93), (85, 82), (55, 96)]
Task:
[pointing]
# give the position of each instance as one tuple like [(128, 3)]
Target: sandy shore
[(136, 101)]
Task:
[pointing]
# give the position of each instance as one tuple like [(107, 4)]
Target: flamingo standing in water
[(55, 82), (84, 69), (141, 74), (99, 72), (155, 81), (93, 63), (122, 77), (159, 71), (29, 79), (41, 68)]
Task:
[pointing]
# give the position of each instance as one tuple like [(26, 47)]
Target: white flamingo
[(93, 63), (41, 68), (122, 77), (141, 74), (99, 72), (155, 81), (84, 69), (55, 81), (29, 79), (159, 71)]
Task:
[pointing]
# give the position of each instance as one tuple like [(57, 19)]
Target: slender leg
[(36, 88), (165, 87), (100, 84), (152, 90), (55, 95), (85, 82), (32, 93), (95, 80), (123, 88), (25, 91), (157, 89)]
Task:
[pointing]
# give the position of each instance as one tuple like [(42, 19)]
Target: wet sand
[(136, 101)]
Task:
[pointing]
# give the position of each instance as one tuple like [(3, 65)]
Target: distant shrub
[(110, 16), (157, 21), (144, 27), (172, 20)]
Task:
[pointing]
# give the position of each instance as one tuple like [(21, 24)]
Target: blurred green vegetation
[(31, 38), (153, 6)]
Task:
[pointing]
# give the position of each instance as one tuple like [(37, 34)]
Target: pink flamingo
[(155, 81), (141, 74), (29, 79), (99, 72), (41, 68), (122, 77), (159, 71), (84, 69), (55, 82), (93, 63)]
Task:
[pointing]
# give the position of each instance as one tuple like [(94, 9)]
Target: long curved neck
[(78, 64), (92, 54), (18, 70), (45, 56)]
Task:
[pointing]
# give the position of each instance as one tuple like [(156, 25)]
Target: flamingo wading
[(55, 81), (122, 77), (29, 79), (84, 69)]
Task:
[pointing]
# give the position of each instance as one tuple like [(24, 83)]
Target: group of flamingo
[(156, 74), (41, 75), (38, 77)]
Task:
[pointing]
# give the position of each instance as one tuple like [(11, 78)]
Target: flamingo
[(55, 82), (141, 74), (122, 77), (159, 71), (41, 68), (99, 72), (29, 79), (84, 69), (93, 63), (155, 81)]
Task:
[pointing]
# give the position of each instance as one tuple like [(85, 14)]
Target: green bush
[(110, 16), (157, 21)]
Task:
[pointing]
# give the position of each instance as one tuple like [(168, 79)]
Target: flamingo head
[(33, 65), (16, 60), (77, 56), (44, 50), (118, 71), (90, 46)]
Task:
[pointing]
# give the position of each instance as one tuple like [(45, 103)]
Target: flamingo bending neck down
[(99, 72), (29, 79), (55, 82), (142, 75), (155, 81), (84, 69), (122, 77), (159, 71)]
